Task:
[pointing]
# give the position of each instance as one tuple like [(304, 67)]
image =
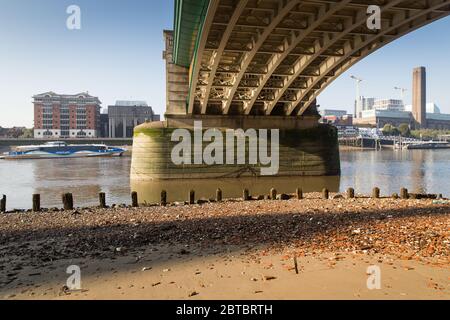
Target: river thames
[(425, 171)]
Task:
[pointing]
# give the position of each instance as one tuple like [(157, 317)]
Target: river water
[(418, 170)]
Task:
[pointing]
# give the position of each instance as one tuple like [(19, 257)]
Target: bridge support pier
[(306, 148)]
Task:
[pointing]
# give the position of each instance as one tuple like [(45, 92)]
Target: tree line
[(404, 130), (16, 133)]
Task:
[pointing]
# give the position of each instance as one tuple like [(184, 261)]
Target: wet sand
[(232, 250), (235, 275)]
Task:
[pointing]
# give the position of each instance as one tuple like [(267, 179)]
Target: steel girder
[(276, 56)]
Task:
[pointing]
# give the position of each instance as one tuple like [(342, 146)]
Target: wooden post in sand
[(163, 198), (67, 199), (326, 194), (36, 202), (3, 204), (134, 199), (192, 197), (219, 195), (102, 200), (404, 193), (246, 195), (350, 193), (376, 193), (273, 194), (299, 193)]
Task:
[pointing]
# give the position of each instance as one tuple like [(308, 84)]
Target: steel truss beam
[(255, 60), (403, 22)]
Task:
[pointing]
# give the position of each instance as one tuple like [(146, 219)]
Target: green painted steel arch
[(189, 18)]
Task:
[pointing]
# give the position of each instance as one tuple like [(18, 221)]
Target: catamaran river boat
[(59, 149)]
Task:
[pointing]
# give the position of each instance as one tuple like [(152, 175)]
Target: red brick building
[(66, 116)]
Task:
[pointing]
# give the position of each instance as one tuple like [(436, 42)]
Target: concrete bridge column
[(124, 125), (113, 131)]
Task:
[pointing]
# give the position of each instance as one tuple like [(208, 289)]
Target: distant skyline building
[(419, 109), (61, 116), (431, 108), (380, 117), (435, 119), (380, 104), (104, 125), (367, 103), (336, 117), (125, 115), (333, 112), (388, 104), (363, 104), (419, 115)]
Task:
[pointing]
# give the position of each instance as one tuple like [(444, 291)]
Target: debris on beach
[(408, 229)]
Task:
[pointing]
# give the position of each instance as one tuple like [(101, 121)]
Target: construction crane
[(358, 108), (402, 92)]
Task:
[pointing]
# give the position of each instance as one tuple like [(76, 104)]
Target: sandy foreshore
[(296, 249)]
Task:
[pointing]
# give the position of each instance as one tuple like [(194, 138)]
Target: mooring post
[(350, 193), (246, 195), (326, 194), (299, 193), (404, 193), (376, 193), (192, 197), (3, 204), (102, 200), (67, 199), (163, 198), (36, 202), (219, 195), (134, 199), (273, 194)]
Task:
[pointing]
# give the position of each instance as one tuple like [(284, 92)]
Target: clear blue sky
[(118, 55)]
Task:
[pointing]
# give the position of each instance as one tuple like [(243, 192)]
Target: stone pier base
[(306, 148)]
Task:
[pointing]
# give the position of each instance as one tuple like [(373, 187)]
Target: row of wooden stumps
[(376, 194), (67, 198)]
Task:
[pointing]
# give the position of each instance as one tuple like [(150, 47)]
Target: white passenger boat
[(60, 149)]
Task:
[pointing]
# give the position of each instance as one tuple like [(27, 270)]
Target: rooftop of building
[(386, 114), (333, 110), (436, 115), (131, 103), (431, 108), (52, 97), (51, 94)]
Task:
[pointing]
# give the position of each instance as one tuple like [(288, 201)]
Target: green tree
[(387, 129), (404, 130), (395, 131), (27, 134)]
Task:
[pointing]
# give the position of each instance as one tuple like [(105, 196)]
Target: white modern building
[(389, 105), (332, 112)]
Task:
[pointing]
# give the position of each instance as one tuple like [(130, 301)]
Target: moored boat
[(59, 149), (428, 145)]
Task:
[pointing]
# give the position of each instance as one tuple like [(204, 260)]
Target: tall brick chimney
[(420, 97)]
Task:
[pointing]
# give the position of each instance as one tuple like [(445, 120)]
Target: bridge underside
[(261, 64), (274, 57)]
